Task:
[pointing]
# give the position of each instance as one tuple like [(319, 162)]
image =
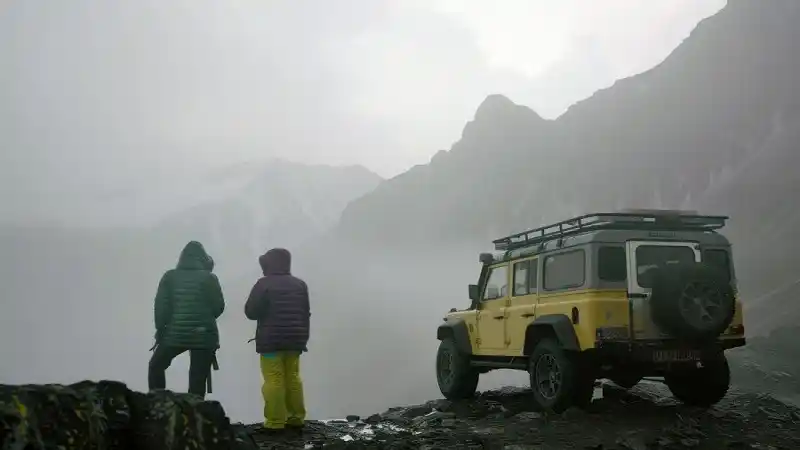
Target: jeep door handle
[(499, 317), (528, 315)]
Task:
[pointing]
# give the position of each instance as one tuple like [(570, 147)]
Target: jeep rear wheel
[(700, 386), (457, 379), (557, 381)]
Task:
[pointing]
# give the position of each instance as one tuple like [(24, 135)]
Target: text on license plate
[(675, 355)]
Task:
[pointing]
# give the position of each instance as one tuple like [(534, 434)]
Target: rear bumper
[(642, 350)]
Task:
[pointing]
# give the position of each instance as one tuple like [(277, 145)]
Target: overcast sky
[(99, 96)]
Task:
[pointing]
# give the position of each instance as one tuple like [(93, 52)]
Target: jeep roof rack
[(639, 219)]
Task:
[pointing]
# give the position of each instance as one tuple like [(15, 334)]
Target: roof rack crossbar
[(611, 221)]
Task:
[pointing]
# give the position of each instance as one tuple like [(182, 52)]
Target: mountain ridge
[(710, 125)]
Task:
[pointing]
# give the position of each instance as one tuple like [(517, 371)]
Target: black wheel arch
[(455, 329), (557, 326)]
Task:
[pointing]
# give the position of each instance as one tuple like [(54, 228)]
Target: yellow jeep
[(622, 296)]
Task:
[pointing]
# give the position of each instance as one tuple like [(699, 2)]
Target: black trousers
[(199, 367)]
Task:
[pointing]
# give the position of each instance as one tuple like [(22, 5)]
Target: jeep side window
[(565, 270), (496, 284), (521, 281), (612, 264)]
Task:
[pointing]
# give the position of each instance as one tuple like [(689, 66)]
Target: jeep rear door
[(642, 257)]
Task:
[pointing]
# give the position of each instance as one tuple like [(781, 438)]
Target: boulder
[(108, 415)]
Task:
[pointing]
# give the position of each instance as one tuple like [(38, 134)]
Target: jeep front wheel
[(557, 381), (457, 379), (700, 386)]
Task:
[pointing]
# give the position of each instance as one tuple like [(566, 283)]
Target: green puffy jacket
[(189, 301)]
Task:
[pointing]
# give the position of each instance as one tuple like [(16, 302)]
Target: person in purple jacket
[(279, 302)]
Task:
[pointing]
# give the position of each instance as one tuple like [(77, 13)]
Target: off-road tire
[(576, 385), (676, 287), (702, 387), (462, 379)]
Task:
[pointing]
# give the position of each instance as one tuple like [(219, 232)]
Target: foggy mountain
[(714, 127), (286, 204), (82, 298)]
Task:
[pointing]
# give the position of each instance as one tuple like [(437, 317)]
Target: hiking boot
[(295, 427)]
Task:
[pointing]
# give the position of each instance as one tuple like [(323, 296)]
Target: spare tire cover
[(692, 301)]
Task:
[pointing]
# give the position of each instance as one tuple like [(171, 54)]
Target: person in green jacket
[(188, 303)]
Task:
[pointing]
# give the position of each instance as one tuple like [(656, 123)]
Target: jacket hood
[(277, 261), (194, 257)]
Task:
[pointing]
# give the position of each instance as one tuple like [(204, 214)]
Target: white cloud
[(128, 87), (531, 36)]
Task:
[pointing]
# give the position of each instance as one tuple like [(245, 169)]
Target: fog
[(116, 122), (107, 103), (374, 316)]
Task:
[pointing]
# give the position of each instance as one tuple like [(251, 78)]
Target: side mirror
[(473, 292)]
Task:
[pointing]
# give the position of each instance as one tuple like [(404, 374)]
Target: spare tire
[(692, 301)]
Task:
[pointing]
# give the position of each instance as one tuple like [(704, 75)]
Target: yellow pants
[(282, 390)]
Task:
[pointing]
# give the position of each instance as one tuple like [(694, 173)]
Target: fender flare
[(457, 330), (558, 324)]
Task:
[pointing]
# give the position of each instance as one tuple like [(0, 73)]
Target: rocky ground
[(770, 364), (644, 418), (107, 415)]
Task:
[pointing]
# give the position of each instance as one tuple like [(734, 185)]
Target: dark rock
[(632, 441), (353, 418), (118, 419), (432, 418), (416, 411), (690, 442), (373, 419), (528, 416), (440, 405), (739, 446), (573, 414), (395, 417), (108, 415), (664, 442), (449, 423)]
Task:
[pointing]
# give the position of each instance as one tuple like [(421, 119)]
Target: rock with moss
[(107, 415), (179, 421)]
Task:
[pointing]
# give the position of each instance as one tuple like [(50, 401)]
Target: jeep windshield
[(649, 257)]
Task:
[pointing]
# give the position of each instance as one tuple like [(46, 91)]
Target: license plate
[(675, 355)]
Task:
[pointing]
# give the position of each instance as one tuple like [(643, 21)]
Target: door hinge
[(508, 343), (477, 341)]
